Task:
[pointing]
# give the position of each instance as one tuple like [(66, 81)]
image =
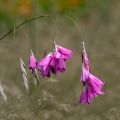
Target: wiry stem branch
[(15, 28), (76, 24), (18, 26)]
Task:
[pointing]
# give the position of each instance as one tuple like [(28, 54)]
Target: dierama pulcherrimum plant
[(92, 86), (55, 61)]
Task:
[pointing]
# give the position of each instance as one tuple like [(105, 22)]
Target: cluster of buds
[(54, 62)]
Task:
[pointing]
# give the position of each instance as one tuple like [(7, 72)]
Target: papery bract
[(24, 74)]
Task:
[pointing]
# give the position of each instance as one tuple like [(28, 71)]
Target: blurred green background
[(57, 98)]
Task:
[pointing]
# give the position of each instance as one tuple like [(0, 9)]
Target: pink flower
[(32, 62), (57, 63), (44, 65), (54, 62), (92, 85), (65, 53), (92, 88)]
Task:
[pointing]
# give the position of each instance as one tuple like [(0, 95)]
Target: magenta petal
[(44, 66), (57, 64), (92, 88), (32, 62), (86, 96), (96, 85), (83, 97), (66, 54), (61, 65), (85, 60), (84, 74), (53, 65)]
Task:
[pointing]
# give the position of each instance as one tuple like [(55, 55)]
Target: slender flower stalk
[(24, 74), (3, 93), (92, 86), (18, 26)]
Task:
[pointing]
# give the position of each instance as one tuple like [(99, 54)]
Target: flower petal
[(44, 66), (57, 63), (66, 54), (84, 74), (32, 63), (85, 60), (96, 85), (86, 96)]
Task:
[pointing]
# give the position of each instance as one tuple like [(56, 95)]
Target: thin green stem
[(18, 26), (77, 26)]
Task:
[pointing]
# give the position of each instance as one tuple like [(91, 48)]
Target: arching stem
[(18, 26)]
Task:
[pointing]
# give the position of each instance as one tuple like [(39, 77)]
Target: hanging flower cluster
[(92, 86), (54, 62)]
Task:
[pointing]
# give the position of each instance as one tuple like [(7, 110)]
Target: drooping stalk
[(21, 24), (32, 29)]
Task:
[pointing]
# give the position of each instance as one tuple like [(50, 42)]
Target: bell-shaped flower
[(44, 65), (85, 60), (65, 53), (92, 88), (92, 85), (84, 75), (55, 61), (32, 66)]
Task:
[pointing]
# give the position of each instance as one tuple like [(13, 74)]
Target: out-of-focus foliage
[(23, 8), (5, 8), (10, 9)]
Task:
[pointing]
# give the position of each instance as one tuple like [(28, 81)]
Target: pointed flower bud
[(32, 62)]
